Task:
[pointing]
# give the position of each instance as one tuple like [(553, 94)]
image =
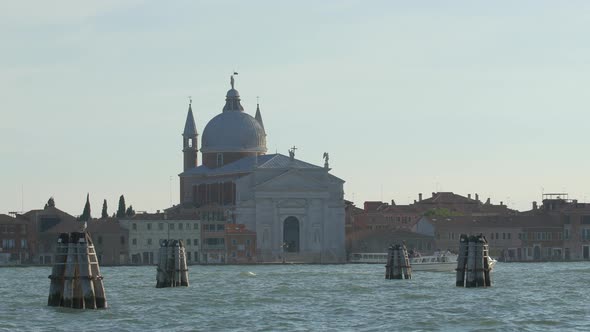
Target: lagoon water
[(524, 297)]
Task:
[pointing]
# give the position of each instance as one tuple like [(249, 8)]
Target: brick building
[(16, 240), (240, 243)]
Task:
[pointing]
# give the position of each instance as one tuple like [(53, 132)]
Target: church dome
[(233, 130)]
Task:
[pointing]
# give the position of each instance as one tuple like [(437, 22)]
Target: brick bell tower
[(189, 140)]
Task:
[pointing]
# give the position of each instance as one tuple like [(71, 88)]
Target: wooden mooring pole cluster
[(75, 278), (398, 264), (172, 269), (473, 263)]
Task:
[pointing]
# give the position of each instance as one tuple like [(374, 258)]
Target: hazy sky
[(407, 97)]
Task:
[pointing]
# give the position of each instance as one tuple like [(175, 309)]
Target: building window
[(508, 236), (233, 254), (196, 242), (188, 242), (503, 236), (220, 227), (149, 226), (134, 226), (188, 226), (122, 240), (171, 225), (234, 242), (134, 242), (567, 233), (23, 243), (179, 225), (188, 256), (161, 226), (149, 242), (195, 226), (248, 254), (248, 242), (219, 159)]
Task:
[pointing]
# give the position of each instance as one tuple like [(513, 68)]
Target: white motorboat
[(436, 263)]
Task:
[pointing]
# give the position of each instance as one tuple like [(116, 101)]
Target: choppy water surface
[(524, 297)]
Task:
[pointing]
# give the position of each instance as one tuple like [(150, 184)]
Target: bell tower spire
[(258, 115), (189, 139)]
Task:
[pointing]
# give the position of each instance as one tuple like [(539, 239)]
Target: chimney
[(469, 196), (433, 193), (420, 197), (415, 202), (501, 203), (535, 205), (477, 197)]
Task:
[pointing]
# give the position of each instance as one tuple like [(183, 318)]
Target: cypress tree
[(130, 212), (121, 211), (104, 213), (86, 213)]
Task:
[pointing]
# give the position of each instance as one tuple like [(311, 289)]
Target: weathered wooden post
[(69, 275), (471, 262), (479, 258), (389, 264), (75, 280), (473, 268), (172, 268), (486, 262), (462, 260), (407, 267), (183, 266), (56, 287), (162, 259), (85, 269), (398, 264)]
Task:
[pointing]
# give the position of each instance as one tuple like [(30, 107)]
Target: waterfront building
[(146, 230), (214, 250), (294, 207), (16, 238), (574, 218), (241, 244), (378, 218), (111, 241), (43, 238)]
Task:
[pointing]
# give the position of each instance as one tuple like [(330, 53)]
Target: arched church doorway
[(291, 234)]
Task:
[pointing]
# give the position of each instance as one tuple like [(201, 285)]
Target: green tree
[(86, 213), (104, 213), (442, 213), (50, 203), (121, 210), (130, 212)]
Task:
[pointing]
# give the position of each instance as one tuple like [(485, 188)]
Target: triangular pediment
[(292, 180)]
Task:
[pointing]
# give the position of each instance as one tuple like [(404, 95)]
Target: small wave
[(247, 274)]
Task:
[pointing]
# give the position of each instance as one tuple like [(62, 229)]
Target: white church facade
[(295, 208)]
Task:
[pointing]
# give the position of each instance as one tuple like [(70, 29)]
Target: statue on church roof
[(292, 153), (231, 79), (326, 159)]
